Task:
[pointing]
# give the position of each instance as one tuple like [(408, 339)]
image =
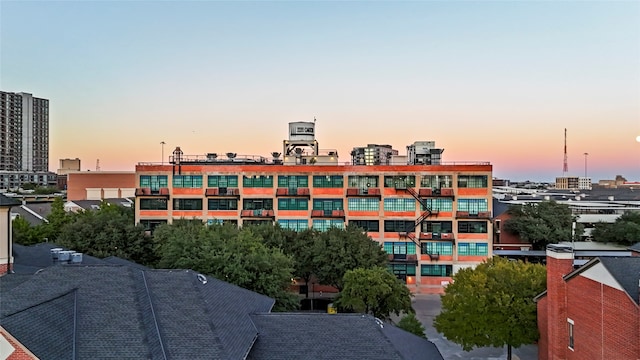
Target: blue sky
[(488, 81)]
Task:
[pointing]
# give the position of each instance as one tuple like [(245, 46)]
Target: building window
[(399, 181), (259, 181), (151, 225), (293, 204), (364, 204), (295, 225), (472, 227), (325, 224), (187, 181), (215, 221), (441, 248), (327, 204), (472, 181), (400, 248), (399, 226), (399, 204), (187, 204), (473, 206), (153, 204), (363, 182), (435, 270), (473, 249), (256, 222), (293, 181), (222, 204), (222, 181), (437, 227), (257, 204), (436, 181), (401, 271), (366, 225), (328, 181), (155, 182), (439, 204), (570, 324)]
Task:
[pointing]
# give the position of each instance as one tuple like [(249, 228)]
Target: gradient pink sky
[(487, 81)]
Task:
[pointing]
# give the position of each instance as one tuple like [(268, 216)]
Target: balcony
[(478, 215), (436, 236), (293, 192), (152, 192), (328, 213), (260, 213), (442, 192), (235, 192), (403, 258), (366, 192)]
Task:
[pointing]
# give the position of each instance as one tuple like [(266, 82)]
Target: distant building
[(372, 154), (24, 140), (424, 153), (573, 183), (69, 165), (99, 185)]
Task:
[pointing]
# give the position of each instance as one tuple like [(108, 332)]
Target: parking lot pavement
[(428, 306)]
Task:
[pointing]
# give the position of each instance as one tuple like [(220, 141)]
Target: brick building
[(591, 312), (98, 185)]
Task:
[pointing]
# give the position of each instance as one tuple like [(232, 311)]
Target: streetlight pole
[(585, 164), (162, 143)]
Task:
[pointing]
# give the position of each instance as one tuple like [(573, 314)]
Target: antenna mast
[(97, 164), (565, 168)]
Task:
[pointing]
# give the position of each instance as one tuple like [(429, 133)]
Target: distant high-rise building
[(372, 154), (24, 132)]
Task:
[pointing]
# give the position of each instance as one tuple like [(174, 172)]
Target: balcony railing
[(222, 192), (373, 192), (293, 192), (152, 192), (328, 213), (442, 192), (473, 215), (260, 213), (409, 258), (436, 236)]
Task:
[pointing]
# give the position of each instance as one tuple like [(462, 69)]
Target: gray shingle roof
[(124, 313), (338, 336), (29, 259), (626, 270), (7, 201)]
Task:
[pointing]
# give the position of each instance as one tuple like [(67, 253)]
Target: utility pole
[(162, 143)]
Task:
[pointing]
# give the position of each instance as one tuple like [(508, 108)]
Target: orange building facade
[(98, 185), (431, 219)]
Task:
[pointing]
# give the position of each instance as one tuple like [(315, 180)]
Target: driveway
[(428, 306)]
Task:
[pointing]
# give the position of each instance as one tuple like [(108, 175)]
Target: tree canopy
[(238, 256), (492, 305), (337, 251), (411, 324), (625, 230), (374, 291), (546, 222)]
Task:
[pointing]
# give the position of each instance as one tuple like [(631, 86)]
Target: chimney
[(559, 264)]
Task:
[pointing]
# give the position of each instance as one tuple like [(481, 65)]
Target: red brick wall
[(3, 268), (20, 352), (606, 321), (557, 307), (542, 328), (77, 183)]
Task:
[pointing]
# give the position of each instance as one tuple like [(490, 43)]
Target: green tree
[(411, 324), (56, 220), (108, 231), (546, 222), (374, 291), (492, 305), (24, 233), (238, 256), (625, 230), (337, 251)]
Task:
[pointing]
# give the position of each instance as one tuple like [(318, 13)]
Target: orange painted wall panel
[(151, 213), (295, 213), (473, 191), (444, 214), (187, 214), (363, 213), (327, 191), (216, 213), (471, 258), (464, 236), (258, 191), (404, 214), (441, 258), (434, 280), (187, 191)]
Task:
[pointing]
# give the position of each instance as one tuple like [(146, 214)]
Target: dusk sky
[(487, 81)]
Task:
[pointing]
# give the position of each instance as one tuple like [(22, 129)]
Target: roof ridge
[(42, 302), (197, 280), (145, 303)]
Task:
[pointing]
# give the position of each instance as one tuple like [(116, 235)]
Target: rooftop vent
[(299, 151), (212, 156), (275, 154), (76, 258), (55, 253), (202, 279), (231, 155)]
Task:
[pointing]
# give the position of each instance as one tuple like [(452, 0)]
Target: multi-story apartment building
[(24, 140), (431, 219)]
